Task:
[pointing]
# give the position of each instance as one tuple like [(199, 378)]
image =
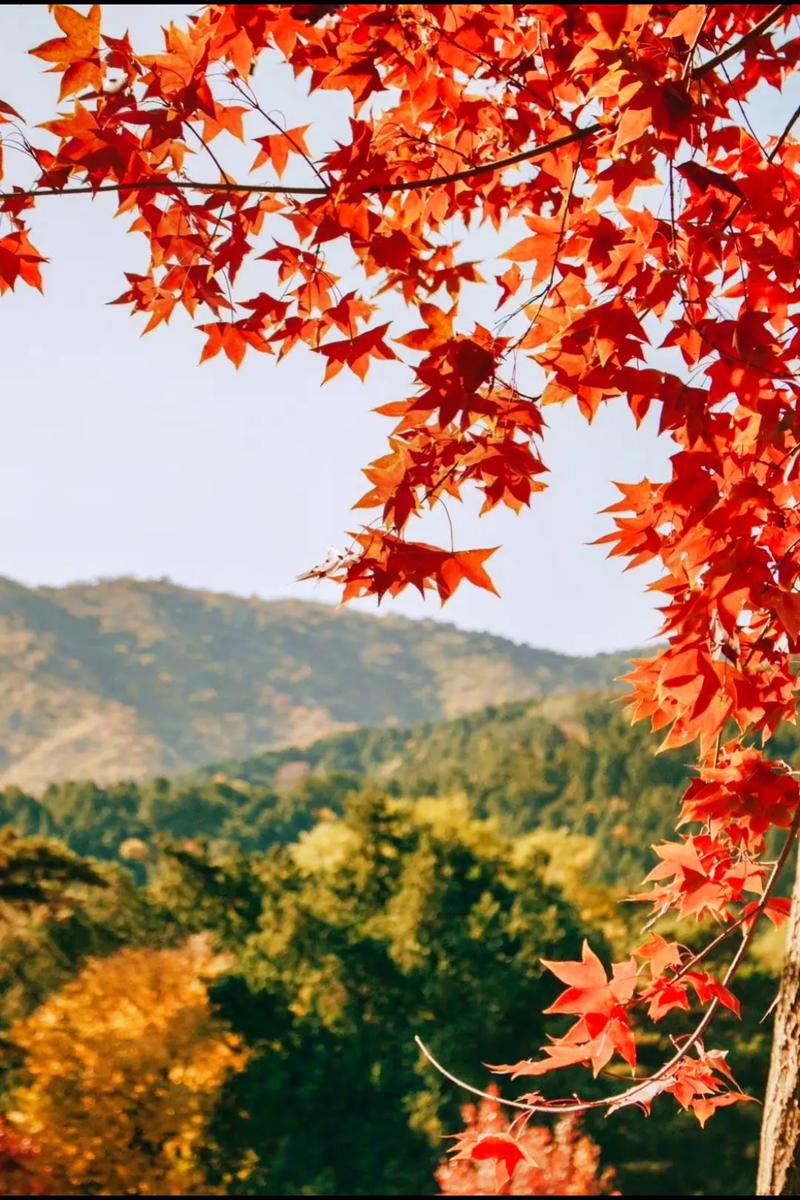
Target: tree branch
[(753, 33), (406, 185), (574, 1104), (786, 131), (370, 189), (163, 185)]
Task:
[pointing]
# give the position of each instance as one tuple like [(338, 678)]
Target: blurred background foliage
[(211, 984)]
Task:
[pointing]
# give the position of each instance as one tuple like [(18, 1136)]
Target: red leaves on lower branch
[(536, 1161), (604, 1026)]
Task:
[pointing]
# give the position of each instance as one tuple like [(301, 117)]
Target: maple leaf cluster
[(663, 981), (659, 268)]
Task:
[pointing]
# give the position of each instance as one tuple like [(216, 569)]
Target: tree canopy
[(658, 268)]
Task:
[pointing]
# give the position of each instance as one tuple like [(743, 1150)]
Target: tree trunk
[(779, 1164)]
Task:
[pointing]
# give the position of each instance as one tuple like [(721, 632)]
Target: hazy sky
[(123, 456)]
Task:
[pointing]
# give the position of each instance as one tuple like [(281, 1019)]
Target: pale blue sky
[(123, 456)]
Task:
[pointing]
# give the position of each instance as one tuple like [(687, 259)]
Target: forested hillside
[(289, 920), (126, 679), (572, 764)]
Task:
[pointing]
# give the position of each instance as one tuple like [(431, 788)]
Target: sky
[(124, 457)]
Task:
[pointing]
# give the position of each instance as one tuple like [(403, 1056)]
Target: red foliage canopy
[(540, 1162), (659, 268)]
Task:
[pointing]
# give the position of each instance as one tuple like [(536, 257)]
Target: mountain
[(126, 678)]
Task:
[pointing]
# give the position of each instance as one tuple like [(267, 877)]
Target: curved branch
[(369, 189), (575, 1105), (467, 1087)]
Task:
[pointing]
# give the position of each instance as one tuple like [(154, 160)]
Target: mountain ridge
[(129, 678)]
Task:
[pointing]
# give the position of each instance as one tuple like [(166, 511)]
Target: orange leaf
[(78, 54), (687, 23)]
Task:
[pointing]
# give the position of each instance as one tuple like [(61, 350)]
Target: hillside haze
[(128, 679)]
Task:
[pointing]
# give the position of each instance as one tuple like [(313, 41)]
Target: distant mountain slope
[(129, 679), (566, 765), (571, 762)]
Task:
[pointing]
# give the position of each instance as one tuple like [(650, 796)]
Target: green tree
[(55, 910), (393, 920)]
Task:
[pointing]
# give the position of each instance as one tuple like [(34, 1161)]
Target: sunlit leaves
[(121, 1068), (76, 56)]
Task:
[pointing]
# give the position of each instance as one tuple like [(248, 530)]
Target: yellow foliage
[(326, 847), (452, 813), (121, 1072)]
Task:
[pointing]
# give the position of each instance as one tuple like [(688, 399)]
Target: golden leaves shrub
[(122, 1067)]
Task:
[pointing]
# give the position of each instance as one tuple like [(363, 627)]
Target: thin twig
[(252, 100), (211, 237), (786, 131), (556, 252), (687, 66)]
